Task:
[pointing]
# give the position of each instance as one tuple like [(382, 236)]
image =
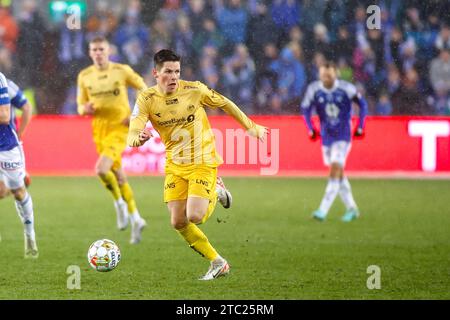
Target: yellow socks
[(127, 195), (110, 182), (198, 241)]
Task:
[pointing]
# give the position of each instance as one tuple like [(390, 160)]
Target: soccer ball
[(103, 255)]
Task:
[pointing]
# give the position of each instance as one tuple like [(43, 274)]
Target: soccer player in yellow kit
[(176, 110), (102, 93)]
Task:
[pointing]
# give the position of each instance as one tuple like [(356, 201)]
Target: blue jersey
[(18, 100), (334, 108), (8, 137)]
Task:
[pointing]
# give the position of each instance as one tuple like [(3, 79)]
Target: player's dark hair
[(329, 64), (164, 55)]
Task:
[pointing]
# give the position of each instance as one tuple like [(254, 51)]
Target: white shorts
[(336, 153), (12, 168)]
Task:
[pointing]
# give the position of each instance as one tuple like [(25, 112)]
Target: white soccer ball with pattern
[(104, 255)]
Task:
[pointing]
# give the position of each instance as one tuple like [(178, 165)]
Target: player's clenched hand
[(314, 134), (89, 108), (258, 132), (359, 133), (144, 135)]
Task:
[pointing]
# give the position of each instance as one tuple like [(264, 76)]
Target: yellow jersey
[(107, 90), (182, 123)]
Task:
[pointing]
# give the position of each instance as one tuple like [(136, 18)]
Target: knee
[(101, 171), (178, 223), (336, 171), (196, 216), (19, 194)]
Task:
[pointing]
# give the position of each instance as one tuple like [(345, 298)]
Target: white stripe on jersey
[(13, 89), (3, 82), (310, 92)]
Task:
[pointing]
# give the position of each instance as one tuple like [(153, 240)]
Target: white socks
[(331, 192), (345, 192), (334, 187), (25, 211)]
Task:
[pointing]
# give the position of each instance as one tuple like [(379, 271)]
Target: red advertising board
[(62, 145)]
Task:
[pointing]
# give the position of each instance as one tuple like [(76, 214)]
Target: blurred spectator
[(409, 100), (30, 44), (102, 22), (71, 51), (208, 36), (440, 71), (443, 39), (232, 19), (291, 77), (285, 15), (384, 105), (209, 67), (261, 30), (239, 78), (182, 40), (9, 30), (345, 70), (344, 45), (322, 41), (170, 13), (197, 12), (313, 13), (266, 78), (396, 39), (334, 16), (132, 38), (393, 79), (160, 33)]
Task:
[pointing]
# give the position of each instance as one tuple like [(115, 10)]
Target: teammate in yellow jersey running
[(176, 110), (102, 93)]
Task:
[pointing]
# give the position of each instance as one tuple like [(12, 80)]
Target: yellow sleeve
[(138, 121), (82, 96), (135, 80), (213, 99)]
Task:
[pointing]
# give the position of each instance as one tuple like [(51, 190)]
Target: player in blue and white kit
[(12, 170), (332, 100), (18, 102)]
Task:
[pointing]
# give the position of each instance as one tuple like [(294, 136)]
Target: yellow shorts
[(112, 145), (180, 183)]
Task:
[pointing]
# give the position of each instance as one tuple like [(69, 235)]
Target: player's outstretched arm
[(362, 104), (214, 99), (306, 110), (27, 112)]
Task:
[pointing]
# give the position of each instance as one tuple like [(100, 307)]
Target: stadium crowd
[(261, 54)]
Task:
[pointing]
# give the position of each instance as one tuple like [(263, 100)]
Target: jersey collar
[(335, 85)]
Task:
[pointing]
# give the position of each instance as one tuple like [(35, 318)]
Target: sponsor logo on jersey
[(11, 166), (172, 101), (189, 87), (202, 182), (115, 92), (169, 186), (190, 118), (103, 77)]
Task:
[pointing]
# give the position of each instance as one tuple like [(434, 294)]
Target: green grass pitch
[(275, 249)]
